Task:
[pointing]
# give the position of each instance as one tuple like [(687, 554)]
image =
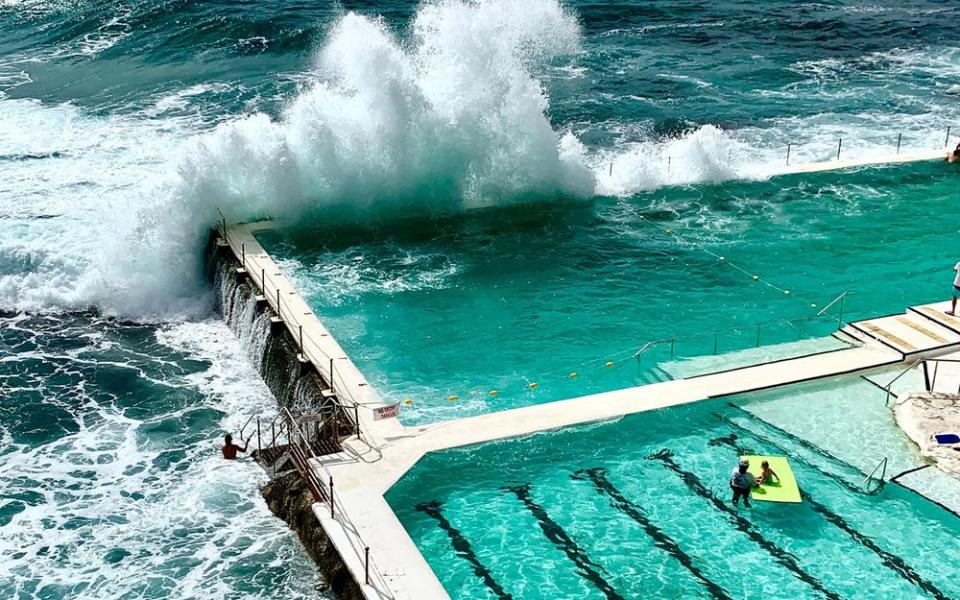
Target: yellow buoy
[(609, 364), (408, 402), (493, 392), (532, 385), (453, 398), (572, 375)]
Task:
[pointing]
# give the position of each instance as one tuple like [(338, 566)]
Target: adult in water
[(230, 449), (740, 482), (954, 157), (956, 290)]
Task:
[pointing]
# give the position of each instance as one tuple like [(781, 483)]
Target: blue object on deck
[(947, 438)]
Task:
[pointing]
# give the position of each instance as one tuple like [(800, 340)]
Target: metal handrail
[(883, 464), (793, 145), (336, 507), (889, 386), (754, 326)]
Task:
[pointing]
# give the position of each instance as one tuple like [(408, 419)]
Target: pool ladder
[(882, 467)]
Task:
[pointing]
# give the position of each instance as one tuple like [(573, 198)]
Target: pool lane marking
[(598, 477), (587, 569), (790, 436), (434, 509), (892, 561), (785, 558), (792, 455)]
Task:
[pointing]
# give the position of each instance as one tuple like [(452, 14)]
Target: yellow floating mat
[(783, 490)]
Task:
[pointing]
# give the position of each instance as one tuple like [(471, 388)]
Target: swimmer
[(741, 481), (230, 449), (954, 157)]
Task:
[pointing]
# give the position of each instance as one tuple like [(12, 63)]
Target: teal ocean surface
[(463, 182)]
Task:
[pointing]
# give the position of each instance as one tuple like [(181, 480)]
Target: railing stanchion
[(366, 565), (946, 142), (716, 341), (669, 160), (672, 342), (279, 312), (788, 154), (758, 336), (263, 280), (243, 254), (331, 496), (301, 341), (899, 137), (356, 418), (259, 443), (273, 432), (839, 145), (331, 375)]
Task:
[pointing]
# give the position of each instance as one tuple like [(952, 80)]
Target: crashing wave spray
[(455, 119)]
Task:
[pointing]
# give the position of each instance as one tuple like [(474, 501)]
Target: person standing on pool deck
[(956, 290), (740, 482)]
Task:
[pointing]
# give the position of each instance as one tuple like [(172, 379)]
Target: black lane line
[(435, 510), (598, 476), (586, 568), (731, 439), (785, 558), (796, 439), (890, 560)]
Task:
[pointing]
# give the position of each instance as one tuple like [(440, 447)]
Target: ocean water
[(125, 126)]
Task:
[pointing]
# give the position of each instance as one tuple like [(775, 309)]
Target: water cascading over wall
[(268, 344)]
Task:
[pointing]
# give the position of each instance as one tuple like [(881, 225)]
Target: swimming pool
[(497, 300), (640, 507)]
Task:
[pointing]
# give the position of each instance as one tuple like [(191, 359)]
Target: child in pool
[(767, 474)]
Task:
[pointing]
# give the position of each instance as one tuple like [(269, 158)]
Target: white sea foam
[(191, 524)]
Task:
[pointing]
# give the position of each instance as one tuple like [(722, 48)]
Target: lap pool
[(467, 314), (640, 507)]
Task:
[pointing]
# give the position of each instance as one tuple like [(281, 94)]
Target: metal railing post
[(331, 375), (839, 145), (263, 280), (788, 154), (669, 160), (279, 312), (758, 336), (259, 443), (716, 341), (243, 254), (899, 137), (946, 142), (331, 496), (301, 339), (273, 432), (356, 418), (366, 563), (840, 318), (672, 342)]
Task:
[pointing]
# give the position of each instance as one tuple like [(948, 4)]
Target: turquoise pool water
[(497, 300), (640, 507)]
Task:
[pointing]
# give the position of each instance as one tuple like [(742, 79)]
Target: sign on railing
[(386, 412)]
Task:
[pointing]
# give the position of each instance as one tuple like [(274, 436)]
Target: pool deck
[(372, 462)]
